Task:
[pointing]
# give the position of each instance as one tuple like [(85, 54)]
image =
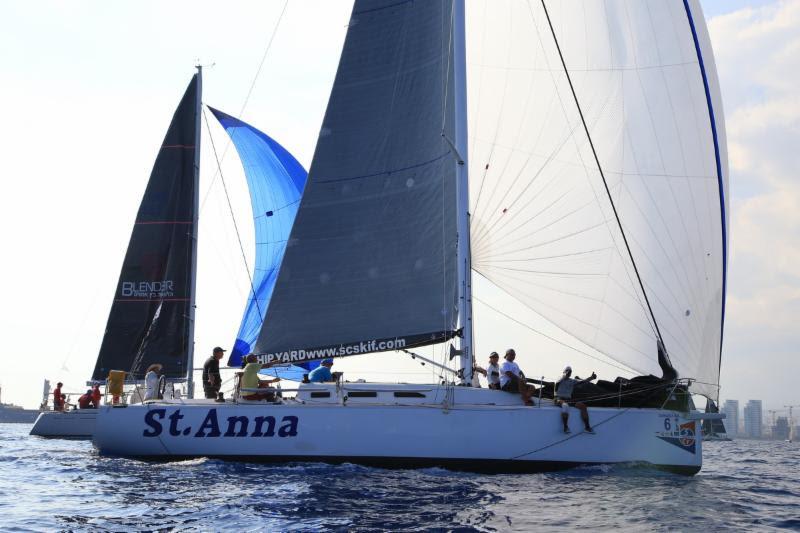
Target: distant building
[(780, 431), (731, 410), (753, 419)]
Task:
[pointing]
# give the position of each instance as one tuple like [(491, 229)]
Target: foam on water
[(57, 485)]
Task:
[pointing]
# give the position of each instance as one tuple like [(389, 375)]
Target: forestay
[(370, 264), (150, 318), (543, 228), (275, 180)]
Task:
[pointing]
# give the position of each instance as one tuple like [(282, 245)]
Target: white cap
[(567, 369)]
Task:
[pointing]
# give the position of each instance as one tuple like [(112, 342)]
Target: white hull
[(473, 433), (78, 424)]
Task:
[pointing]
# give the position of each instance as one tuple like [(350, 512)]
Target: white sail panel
[(543, 227)]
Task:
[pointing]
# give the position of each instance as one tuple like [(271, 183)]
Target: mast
[(195, 221), (462, 190)]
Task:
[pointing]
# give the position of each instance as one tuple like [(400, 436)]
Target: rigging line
[(491, 259), (244, 104), (600, 169), (618, 367), (233, 216)]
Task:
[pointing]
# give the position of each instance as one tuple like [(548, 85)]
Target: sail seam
[(385, 172)]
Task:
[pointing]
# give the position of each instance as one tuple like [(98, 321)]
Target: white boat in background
[(14, 414), (596, 197), (152, 315), (714, 428)]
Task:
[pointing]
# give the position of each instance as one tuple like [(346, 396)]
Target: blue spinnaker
[(276, 181)]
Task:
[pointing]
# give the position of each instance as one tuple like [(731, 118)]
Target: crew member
[(250, 380), (512, 379), (322, 373), (151, 382), (96, 396), (212, 381), (85, 400), (492, 371), (58, 398), (564, 389)]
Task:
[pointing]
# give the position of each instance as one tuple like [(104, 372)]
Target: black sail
[(371, 260), (150, 319)]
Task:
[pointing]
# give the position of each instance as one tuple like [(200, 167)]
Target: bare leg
[(584, 415)]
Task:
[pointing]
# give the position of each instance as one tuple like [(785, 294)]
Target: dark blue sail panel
[(276, 181), (371, 261), (149, 319)]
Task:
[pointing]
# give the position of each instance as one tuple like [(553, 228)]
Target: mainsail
[(370, 264), (276, 181), (543, 227), (150, 318)]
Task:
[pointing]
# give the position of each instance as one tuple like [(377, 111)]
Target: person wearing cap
[(322, 373), (564, 389), (513, 380), (250, 380), (492, 371), (212, 381), (151, 382)]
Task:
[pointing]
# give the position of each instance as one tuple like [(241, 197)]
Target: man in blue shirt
[(322, 372)]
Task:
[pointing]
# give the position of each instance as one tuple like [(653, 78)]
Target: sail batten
[(371, 256)]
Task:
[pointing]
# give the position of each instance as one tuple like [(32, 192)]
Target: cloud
[(757, 53)]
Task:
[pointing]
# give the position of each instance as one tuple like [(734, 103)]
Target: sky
[(88, 88)]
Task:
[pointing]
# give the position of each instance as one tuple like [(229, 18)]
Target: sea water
[(50, 485)]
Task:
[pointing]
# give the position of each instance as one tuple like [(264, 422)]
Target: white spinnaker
[(542, 224)]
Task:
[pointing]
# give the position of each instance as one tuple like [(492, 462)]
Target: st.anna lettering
[(233, 426)]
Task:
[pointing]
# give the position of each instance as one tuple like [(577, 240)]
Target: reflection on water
[(54, 484)]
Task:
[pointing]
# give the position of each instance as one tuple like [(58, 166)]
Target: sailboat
[(714, 429), (152, 315), (582, 171)]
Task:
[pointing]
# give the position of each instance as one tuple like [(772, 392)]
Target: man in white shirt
[(492, 371), (151, 382), (512, 379)]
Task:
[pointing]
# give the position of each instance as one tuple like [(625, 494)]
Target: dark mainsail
[(150, 319), (713, 428), (371, 260)]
